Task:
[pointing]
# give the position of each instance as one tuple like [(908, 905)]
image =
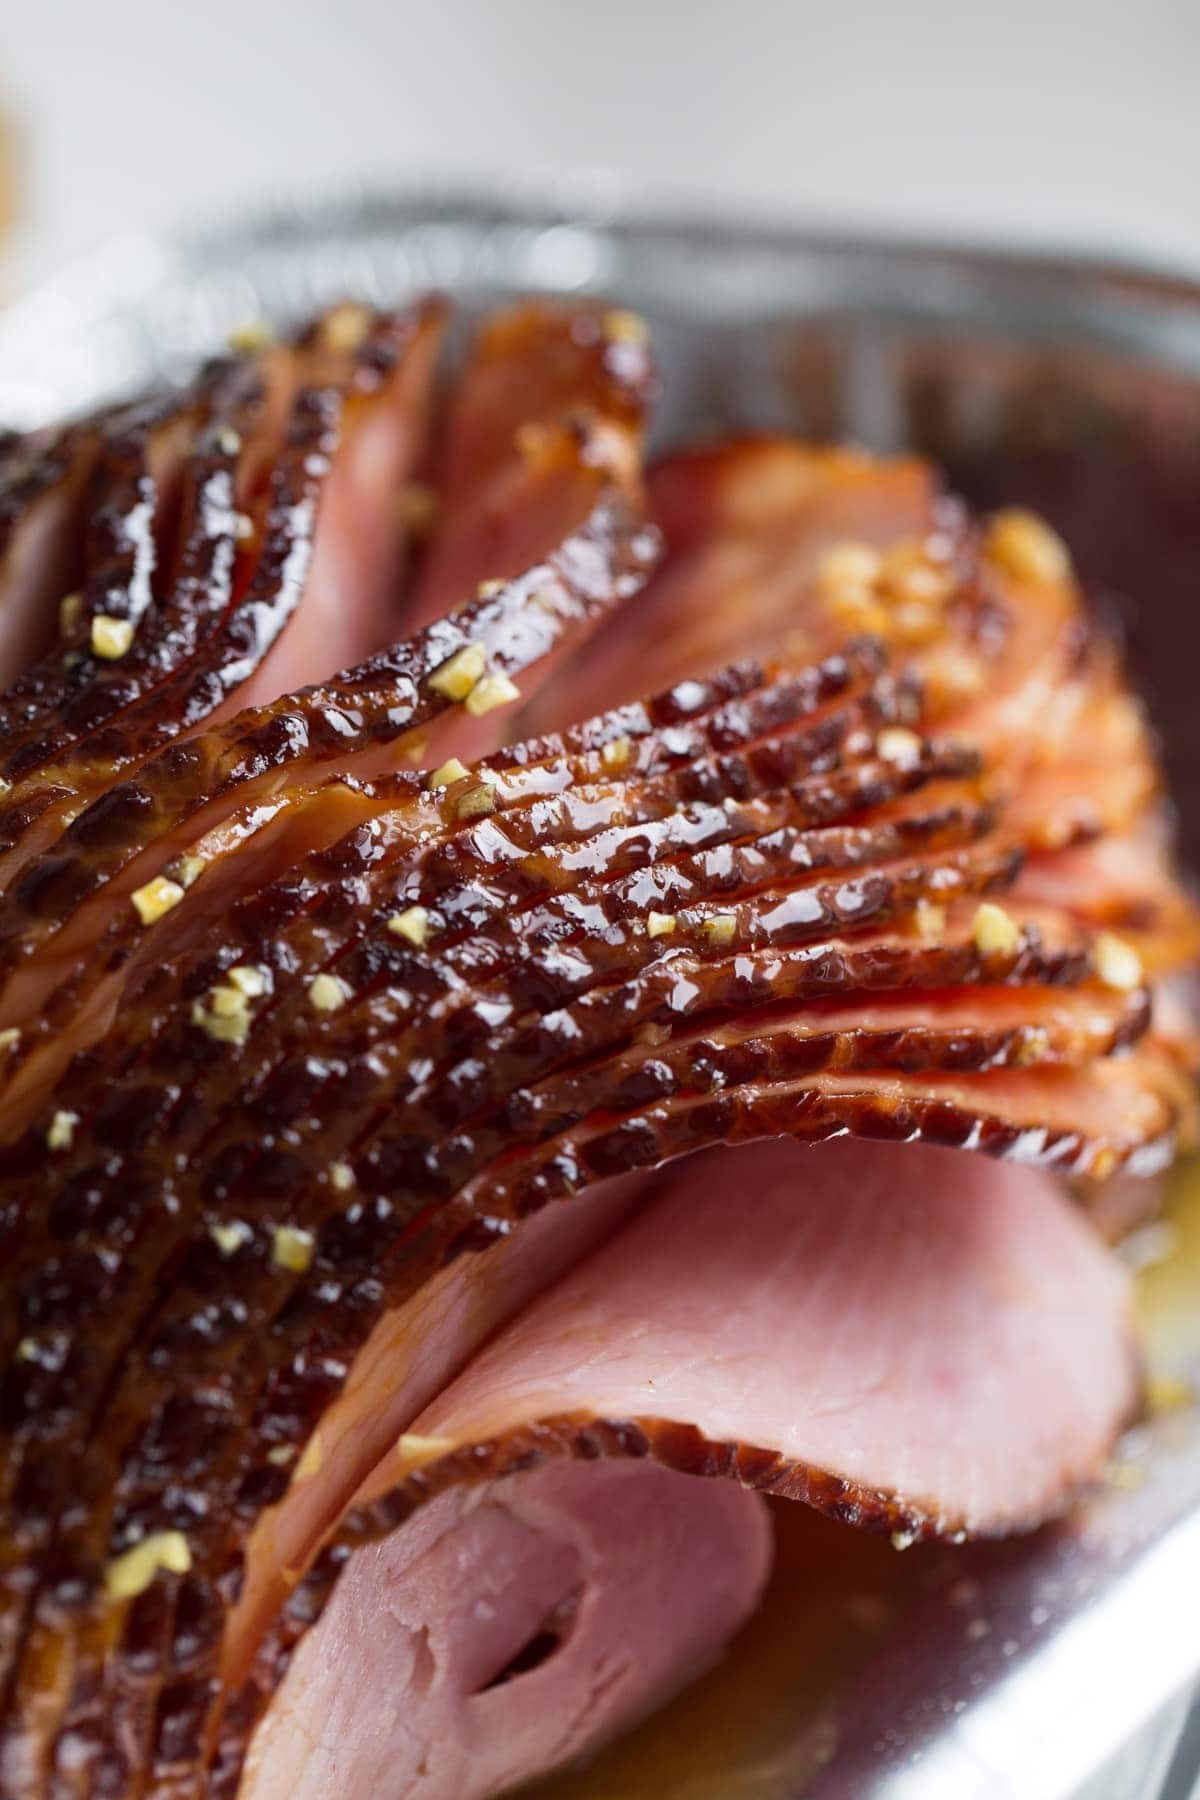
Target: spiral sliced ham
[(418, 833)]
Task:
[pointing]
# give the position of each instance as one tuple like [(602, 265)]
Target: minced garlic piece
[(243, 527), (9, 1036), (616, 754), (70, 611), (720, 929), (341, 1177), (292, 1248), (411, 924), (909, 573), (314, 1456), (930, 920), (281, 1455), (189, 869), (620, 326), (131, 1573), (453, 770), (231, 1237), (255, 334), (111, 637), (228, 441), (327, 993), (417, 507), (250, 980), (1117, 963), (1027, 547), (27, 1350), (900, 746), (848, 565), (346, 327), (993, 932), (660, 924), (226, 1016), (486, 589), (455, 678), (489, 692), (156, 898), (61, 1134), (226, 1002), (477, 803), (533, 441), (413, 1451)]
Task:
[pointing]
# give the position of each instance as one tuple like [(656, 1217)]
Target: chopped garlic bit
[(327, 993), (229, 1238), (255, 334), (281, 1455), (993, 932), (1104, 1164), (224, 1014), (910, 574), (156, 898), (620, 326), (477, 803), (314, 1456), (930, 920), (1026, 547), (412, 924), (292, 1248), (341, 1177), (616, 754), (131, 1573), (489, 692), (70, 611), (27, 1350), (721, 928), (111, 637), (417, 507), (848, 566), (228, 440), (243, 527), (455, 678), (9, 1036), (486, 589), (900, 746), (251, 980), (660, 924), (533, 441), (61, 1132), (189, 869), (449, 771), (413, 1450), (346, 326), (1117, 963)]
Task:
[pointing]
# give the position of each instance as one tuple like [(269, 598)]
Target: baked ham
[(454, 889)]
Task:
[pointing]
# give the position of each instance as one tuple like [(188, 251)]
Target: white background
[(1047, 119)]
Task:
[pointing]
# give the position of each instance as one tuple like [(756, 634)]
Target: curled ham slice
[(868, 1332)]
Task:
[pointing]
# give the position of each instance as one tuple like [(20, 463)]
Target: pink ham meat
[(908, 1338)]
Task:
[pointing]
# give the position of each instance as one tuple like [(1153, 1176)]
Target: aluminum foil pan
[(1061, 1667)]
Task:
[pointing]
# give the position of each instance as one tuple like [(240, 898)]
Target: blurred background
[(1047, 120)]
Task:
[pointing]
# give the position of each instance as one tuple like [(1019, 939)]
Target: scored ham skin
[(907, 1338), (620, 925)]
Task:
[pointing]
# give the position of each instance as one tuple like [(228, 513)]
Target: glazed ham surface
[(451, 889)]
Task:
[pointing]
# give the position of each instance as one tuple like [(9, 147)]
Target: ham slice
[(387, 1050), (879, 1331)]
